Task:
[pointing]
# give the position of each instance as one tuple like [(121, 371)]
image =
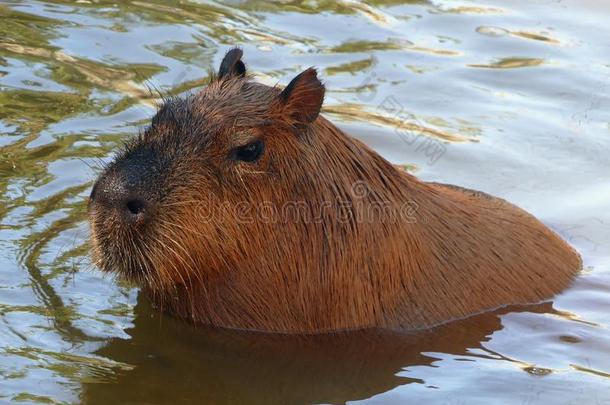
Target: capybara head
[(179, 210), (240, 206)]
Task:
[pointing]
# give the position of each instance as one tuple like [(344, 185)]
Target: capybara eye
[(250, 152)]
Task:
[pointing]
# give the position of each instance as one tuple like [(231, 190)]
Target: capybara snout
[(241, 206), (127, 189)]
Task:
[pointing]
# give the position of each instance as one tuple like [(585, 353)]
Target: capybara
[(242, 207)]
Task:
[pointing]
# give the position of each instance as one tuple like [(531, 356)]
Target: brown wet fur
[(432, 253)]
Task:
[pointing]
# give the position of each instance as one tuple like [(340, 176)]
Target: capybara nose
[(115, 196), (136, 206)]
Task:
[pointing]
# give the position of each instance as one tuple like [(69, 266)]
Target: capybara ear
[(303, 97), (232, 65)]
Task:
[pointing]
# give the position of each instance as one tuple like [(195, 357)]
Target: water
[(512, 99)]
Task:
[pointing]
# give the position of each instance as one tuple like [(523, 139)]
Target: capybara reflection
[(241, 207), (168, 362)]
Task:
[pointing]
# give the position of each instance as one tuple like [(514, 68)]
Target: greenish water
[(512, 98)]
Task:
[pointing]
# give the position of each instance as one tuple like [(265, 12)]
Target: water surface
[(511, 98)]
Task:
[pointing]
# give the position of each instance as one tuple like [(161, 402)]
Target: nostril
[(135, 207)]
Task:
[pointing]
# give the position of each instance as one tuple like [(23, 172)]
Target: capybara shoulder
[(241, 206)]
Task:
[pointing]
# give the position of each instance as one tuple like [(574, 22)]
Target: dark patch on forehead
[(172, 112), (170, 127), (176, 121)]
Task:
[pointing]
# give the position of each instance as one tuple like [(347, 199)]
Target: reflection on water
[(237, 367), (511, 63), (445, 88)]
